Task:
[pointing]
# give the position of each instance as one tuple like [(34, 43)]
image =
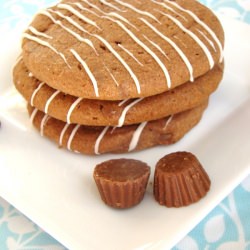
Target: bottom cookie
[(99, 140)]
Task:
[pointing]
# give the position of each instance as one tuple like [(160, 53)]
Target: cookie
[(114, 113), (99, 140), (180, 180), (117, 50), (122, 182)]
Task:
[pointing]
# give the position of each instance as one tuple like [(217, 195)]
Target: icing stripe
[(70, 20), (72, 107), (178, 50), (182, 42), (99, 139), (108, 45), (122, 102), (136, 136), (35, 92), (113, 130), (147, 49), (45, 44), (131, 54), (195, 38), (63, 133), (50, 100), (168, 121), (110, 48), (78, 14), (169, 8), (88, 71), (126, 66), (38, 33), (205, 26), (112, 76), (85, 9), (93, 6), (33, 114), (156, 46), (43, 123), (114, 14), (122, 19), (72, 135), (110, 5), (126, 109), (144, 13), (211, 42)]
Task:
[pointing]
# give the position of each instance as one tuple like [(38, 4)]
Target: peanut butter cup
[(122, 182), (180, 180)]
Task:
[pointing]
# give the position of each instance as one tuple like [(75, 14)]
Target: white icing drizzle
[(156, 46), (169, 8), (147, 49), (122, 19), (43, 123), (175, 46), (110, 5), (107, 44), (136, 136), (99, 139), (170, 118), (88, 71), (199, 21), (78, 14), (182, 42), (93, 6), (50, 100), (72, 107), (33, 114), (126, 109), (45, 44), (70, 20), (210, 41), (131, 54), (114, 14), (35, 92), (122, 102), (113, 130), (85, 9), (110, 48), (195, 38), (112, 76), (126, 66), (63, 133), (72, 135), (144, 13), (38, 33), (30, 75)]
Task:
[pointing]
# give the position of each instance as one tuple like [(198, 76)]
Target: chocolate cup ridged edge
[(181, 189), (122, 194)]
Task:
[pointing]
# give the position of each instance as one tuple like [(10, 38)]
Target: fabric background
[(227, 227)]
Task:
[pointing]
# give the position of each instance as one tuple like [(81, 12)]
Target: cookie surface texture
[(99, 140), (114, 50), (109, 113)]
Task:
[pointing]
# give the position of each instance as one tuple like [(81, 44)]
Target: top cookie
[(114, 49)]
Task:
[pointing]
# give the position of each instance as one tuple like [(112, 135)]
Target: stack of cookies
[(119, 75)]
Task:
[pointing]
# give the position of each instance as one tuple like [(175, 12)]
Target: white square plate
[(55, 188)]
